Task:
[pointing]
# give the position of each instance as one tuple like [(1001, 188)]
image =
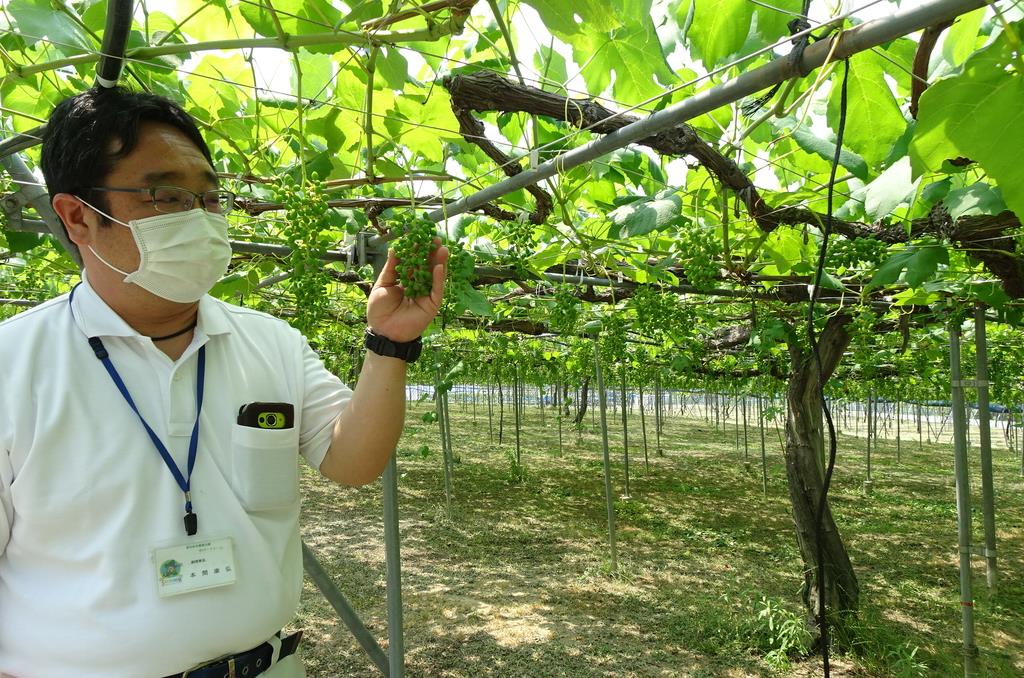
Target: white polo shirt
[(85, 497)]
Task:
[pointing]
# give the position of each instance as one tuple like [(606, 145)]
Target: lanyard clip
[(98, 348)]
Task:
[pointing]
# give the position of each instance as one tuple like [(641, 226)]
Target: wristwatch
[(408, 351)]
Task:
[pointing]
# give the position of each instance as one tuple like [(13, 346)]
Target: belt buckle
[(213, 662)]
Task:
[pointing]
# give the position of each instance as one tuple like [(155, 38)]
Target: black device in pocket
[(267, 415)]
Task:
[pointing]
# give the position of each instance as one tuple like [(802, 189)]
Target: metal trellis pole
[(746, 442), (393, 561), (625, 429), (963, 502), (441, 423), (764, 454), (31, 193), (345, 612), (594, 330), (988, 500), (871, 414)]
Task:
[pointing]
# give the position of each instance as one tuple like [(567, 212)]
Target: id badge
[(194, 566)]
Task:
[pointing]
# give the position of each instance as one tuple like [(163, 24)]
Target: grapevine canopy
[(330, 118)]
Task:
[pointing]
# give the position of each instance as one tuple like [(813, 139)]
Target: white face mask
[(181, 255)]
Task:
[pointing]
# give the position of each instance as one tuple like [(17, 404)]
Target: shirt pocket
[(265, 467)]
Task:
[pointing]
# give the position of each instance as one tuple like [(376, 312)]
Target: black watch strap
[(408, 351)]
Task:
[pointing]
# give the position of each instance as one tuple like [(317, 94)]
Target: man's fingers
[(440, 255), (389, 274), (439, 271)]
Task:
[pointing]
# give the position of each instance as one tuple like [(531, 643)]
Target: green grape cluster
[(613, 338), (461, 273), (866, 341), (659, 313), (520, 238), (565, 313), (413, 250), (857, 253), (461, 265), (308, 217), (702, 251)]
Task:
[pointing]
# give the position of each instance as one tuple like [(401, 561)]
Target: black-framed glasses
[(171, 199)]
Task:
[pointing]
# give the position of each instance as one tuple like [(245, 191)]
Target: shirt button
[(177, 376)]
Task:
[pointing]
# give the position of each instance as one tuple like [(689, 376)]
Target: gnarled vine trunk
[(584, 398), (805, 470)]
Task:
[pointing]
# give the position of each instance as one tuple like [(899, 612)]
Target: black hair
[(82, 129)]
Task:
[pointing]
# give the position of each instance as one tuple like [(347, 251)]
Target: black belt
[(244, 664)]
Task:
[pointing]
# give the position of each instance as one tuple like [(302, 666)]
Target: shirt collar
[(96, 319), (212, 317)]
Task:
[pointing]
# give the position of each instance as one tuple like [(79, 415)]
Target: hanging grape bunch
[(461, 267), (519, 235), (308, 217), (858, 253), (701, 252), (412, 250), (613, 338), (658, 313), (565, 312)]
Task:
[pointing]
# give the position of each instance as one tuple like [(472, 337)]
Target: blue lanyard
[(184, 481)]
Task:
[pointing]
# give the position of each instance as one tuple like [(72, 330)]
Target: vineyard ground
[(517, 581)]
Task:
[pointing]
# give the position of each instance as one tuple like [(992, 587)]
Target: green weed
[(882, 647), (517, 474), (776, 632)]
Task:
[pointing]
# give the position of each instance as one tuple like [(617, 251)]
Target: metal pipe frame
[(345, 612), (625, 433), (115, 37), (393, 563), (860, 38), (442, 430), (21, 142), (31, 193), (963, 502), (595, 333), (988, 495)]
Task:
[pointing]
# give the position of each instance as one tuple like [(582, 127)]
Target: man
[(149, 433)]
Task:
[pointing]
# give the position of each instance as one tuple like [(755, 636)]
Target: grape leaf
[(962, 37), (978, 198), (873, 121), (643, 216), (633, 53), (825, 147), (37, 20), (772, 19), (977, 114), (920, 264), (560, 17), (889, 190), (720, 28), (22, 242), (472, 300)]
